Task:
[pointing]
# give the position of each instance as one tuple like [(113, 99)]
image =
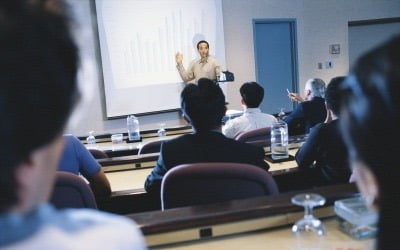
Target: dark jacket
[(326, 148), (202, 147), (309, 113)]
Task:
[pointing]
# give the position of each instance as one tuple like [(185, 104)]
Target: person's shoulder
[(75, 228), (242, 146), (331, 126), (319, 126), (319, 130), (269, 116), (317, 99), (79, 217), (312, 104), (234, 121), (71, 140), (177, 141), (212, 59)]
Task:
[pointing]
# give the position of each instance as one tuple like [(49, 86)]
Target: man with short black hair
[(38, 71), (207, 66), (204, 106), (252, 95)]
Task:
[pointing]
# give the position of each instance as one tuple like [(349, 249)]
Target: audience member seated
[(252, 96), (324, 150), (310, 111), (78, 160), (38, 74), (370, 120), (203, 106)]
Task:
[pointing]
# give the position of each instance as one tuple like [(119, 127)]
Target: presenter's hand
[(178, 58)]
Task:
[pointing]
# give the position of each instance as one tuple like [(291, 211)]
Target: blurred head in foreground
[(370, 118)]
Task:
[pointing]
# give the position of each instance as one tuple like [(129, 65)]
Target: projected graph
[(138, 43), (154, 55), (141, 41)]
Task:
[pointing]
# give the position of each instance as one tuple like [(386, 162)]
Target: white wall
[(362, 38), (319, 24)]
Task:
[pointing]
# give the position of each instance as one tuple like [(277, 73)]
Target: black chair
[(71, 191), (260, 137), (151, 147), (202, 183), (98, 154)]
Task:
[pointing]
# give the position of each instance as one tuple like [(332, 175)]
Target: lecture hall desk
[(103, 141), (256, 223), (128, 177), (127, 184)]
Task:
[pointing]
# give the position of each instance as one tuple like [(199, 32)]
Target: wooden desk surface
[(254, 223), (109, 147), (127, 180), (135, 177), (280, 238), (103, 142)]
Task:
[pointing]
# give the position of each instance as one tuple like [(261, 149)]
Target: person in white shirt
[(252, 95)]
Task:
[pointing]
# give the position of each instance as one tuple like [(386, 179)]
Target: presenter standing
[(207, 66)]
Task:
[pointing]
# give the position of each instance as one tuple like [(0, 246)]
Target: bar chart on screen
[(138, 44)]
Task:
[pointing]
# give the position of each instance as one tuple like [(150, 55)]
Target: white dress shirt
[(251, 119)]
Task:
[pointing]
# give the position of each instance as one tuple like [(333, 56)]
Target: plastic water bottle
[(132, 123), (91, 140), (279, 140), (161, 131)]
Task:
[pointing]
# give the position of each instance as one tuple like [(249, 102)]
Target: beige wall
[(319, 23)]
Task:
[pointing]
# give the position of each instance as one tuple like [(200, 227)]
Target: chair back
[(98, 154), (260, 137), (151, 147), (71, 191), (202, 183)]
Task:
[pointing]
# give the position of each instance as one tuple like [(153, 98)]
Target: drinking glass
[(117, 138), (281, 113), (308, 223), (161, 131)]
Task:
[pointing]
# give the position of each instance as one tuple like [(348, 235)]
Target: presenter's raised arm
[(178, 58), (186, 75)]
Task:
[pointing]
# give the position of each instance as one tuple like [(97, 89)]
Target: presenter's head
[(203, 105), (39, 64), (203, 48)]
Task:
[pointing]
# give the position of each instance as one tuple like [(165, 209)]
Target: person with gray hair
[(311, 109), (324, 153), (314, 87)]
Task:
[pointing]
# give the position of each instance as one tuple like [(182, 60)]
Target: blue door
[(276, 62)]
